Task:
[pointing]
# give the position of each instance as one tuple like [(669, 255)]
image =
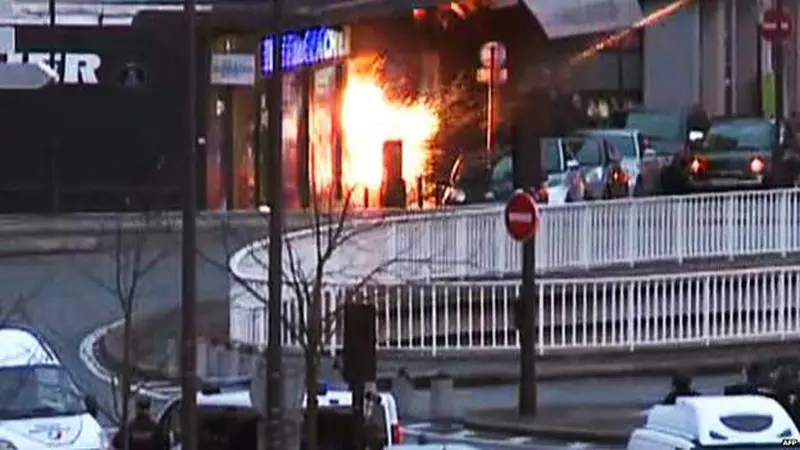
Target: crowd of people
[(779, 382)]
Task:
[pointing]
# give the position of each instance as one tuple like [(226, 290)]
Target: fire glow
[(369, 119)]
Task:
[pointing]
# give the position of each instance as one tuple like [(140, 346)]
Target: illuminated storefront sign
[(309, 47)]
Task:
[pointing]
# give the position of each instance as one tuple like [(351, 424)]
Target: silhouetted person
[(681, 387), (753, 383), (787, 392), (697, 120), (143, 433)]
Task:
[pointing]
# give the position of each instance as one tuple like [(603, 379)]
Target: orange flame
[(369, 119)]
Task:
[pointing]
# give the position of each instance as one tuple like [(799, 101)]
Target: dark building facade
[(89, 142), (112, 133)]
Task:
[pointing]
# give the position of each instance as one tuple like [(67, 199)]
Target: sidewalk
[(597, 424)]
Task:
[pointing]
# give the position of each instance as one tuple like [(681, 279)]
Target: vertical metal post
[(728, 44), (778, 58), (189, 244), (759, 70), (490, 102), (527, 367), (51, 9), (527, 167), (274, 388)]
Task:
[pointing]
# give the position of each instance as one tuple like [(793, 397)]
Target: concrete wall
[(672, 58)]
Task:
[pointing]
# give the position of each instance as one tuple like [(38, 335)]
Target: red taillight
[(619, 176), (756, 165), (544, 196), (696, 166), (397, 434)]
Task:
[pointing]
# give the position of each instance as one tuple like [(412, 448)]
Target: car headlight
[(7, 445)]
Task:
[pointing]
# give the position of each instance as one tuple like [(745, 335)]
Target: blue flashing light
[(322, 389), (310, 47)]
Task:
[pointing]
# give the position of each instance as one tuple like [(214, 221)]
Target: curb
[(44, 245), (569, 434)]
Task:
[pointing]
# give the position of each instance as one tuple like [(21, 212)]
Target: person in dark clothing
[(787, 392), (697, 120), (143, 433), (681, 387), (753, 383)]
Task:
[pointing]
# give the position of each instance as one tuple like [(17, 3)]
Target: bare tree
[(311, 326), (133, 255)]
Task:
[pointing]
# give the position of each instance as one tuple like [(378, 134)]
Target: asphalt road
[(63, 296)]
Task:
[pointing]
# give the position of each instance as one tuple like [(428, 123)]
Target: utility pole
[(189, 244), (526, 167), (274, 388)]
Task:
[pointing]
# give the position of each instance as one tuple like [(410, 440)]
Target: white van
[(40, 406), (230, 416), (716, 422), (387, 415)]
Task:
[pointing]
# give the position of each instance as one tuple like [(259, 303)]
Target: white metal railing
[(474, 241), (627, 313)]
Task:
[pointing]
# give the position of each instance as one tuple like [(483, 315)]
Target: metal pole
[(189, 245), (778, 50), (51, 9), (274, 388), (728, 56), (490, 104), (527, 167), (759, 71), (527, 336)]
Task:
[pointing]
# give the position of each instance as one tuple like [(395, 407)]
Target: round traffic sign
[(776, 25), (522, 216), (499, 51)]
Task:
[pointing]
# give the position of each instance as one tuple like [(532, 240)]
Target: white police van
[(716, 422), (40, 406), (386, 417), (229, 418)]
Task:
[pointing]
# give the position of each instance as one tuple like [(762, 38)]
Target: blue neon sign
[(312, 46)]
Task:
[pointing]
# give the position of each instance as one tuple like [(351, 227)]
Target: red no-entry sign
[(776, 25), (522, 216)]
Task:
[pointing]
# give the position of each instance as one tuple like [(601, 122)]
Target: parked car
[(630, 146), (741, 153)]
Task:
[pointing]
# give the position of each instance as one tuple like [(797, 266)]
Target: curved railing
[(627, 313), (473, 242)]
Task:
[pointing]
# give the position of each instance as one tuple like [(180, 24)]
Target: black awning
[(298, 15)]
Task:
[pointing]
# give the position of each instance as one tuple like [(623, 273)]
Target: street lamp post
[(189, 245), (274, 388)]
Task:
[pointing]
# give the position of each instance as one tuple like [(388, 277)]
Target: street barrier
[(472, 242), (623, 313)]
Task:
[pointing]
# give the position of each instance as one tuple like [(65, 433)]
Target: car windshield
[(739, 134), (552, 161), (38, 391), (503, 170), (625, 144)]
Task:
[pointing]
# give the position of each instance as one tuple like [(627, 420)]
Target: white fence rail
[(629, 313), (461, 243), (586, 235)]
